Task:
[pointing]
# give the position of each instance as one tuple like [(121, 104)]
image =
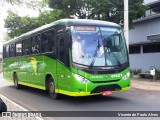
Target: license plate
[(106, 93)]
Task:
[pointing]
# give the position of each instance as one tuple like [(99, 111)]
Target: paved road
[(37, 100)]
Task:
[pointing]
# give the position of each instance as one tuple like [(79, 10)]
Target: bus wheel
[(51, 87), (15, 79)]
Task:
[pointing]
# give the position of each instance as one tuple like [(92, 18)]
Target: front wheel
[(51, 87)]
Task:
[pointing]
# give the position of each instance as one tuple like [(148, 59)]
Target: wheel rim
[(51, 88)]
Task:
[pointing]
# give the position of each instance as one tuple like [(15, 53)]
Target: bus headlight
[(126, 76), (80, 78)]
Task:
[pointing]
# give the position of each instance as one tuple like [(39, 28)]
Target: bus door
[(62, 61)]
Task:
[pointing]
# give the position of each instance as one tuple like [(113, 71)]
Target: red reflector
[(105, 93)]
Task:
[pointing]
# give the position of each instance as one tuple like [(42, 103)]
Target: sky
[(148, 1), (21, 10)]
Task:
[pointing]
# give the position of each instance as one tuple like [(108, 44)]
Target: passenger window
[(61, 54), (4, 52), (19, 49), (35, 44), (48, 41), (7, 51), (63, 50), (12, 50), (26, 46)]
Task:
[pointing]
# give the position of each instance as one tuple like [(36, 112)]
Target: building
[(144, 39)]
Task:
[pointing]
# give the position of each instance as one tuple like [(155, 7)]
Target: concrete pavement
[(146, 84)]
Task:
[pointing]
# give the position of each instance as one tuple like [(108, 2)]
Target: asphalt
[(143, 84)]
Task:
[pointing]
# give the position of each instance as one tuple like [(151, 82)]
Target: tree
[(17, 25), (11, 1), (38, 5), (108, 10)]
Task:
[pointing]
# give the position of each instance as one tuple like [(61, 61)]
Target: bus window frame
[(54, 40), (4, 51), (29, 39), (14, 50), (18, 41), (8, 51), (66, 47), (34, 35)]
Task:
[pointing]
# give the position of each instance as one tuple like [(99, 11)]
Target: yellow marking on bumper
[(86, 87), (75, 93), (123, 89)]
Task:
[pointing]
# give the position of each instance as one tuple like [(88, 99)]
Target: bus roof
[(68, 22)]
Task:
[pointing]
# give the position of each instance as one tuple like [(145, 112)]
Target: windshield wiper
[(95, 54)]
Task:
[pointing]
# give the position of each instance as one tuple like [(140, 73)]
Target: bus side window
[(19, 49), (7, 51), (61, 47), (48, 41), (12, 50), (26, 47), (35, 44), (4, 51), (63, 51)]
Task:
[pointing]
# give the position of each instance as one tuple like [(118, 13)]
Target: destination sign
[(85, 28)]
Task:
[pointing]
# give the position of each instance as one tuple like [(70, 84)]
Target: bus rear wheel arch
[(51, 88)]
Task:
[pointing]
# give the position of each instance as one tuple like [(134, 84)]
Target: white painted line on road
[(22, 108)]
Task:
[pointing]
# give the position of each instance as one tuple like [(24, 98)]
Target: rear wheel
[(15, 79), (51, 87)]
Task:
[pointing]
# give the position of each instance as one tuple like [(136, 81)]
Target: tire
[(3, 107), (51, 89), (15, 79)]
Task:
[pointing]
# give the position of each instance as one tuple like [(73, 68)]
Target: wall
[(142, 29), (144, 61)]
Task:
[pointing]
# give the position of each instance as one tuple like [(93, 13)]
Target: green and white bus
[(71, 57)]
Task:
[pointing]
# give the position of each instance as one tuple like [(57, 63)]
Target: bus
[(74, 57)]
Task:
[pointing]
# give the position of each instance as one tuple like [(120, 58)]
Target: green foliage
[(135, 71), (6, 37), (17, 25), (12, 1), (108, 10)]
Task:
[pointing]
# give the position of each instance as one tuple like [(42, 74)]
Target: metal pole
[(126, 23)]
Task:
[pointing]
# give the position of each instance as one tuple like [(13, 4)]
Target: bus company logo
[(34, 64), (107, 77), (96, 77)]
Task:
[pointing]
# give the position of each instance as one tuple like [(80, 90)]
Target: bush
[(135, 72)]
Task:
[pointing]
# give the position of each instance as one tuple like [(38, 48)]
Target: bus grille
[(99, 89), (106, 81)]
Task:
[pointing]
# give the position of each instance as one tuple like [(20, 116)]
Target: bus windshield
[(98, 46)]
